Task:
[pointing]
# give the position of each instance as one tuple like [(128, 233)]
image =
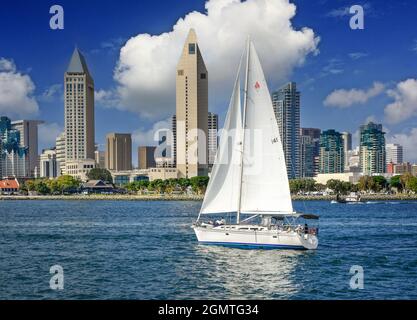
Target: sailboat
[(249, 183)]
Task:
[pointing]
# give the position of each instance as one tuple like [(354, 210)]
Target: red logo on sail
[(257, 85)]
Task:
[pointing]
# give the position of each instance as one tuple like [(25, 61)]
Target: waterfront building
[(414, 170), (60, 153), (331, 152), (146, 157), (79, 110), (9, 186), (49, 165), (400, 168), (286, 104), (100, 157), (80, 168), (372, 149), (13, 156), (347, 144), (352, 177), (394, 153), (29, 139), (118, 151), (309, 152), (191, 110), (213, 127)]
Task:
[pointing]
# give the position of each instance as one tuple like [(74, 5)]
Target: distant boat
[(353, 197), (252, 185)]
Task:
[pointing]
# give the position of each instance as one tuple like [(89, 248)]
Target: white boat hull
[(264, 239)]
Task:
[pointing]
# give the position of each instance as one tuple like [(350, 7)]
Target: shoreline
[(375, 197)]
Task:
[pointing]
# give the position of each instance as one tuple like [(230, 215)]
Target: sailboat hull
[(263, 239)]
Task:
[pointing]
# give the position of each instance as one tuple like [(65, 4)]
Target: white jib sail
[(222, 195), (265, 187)]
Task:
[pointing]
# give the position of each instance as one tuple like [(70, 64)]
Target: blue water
[(147, 250)]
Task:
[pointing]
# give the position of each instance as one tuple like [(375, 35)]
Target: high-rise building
[(79, 110), (394, 153), (29, 138), (60, 153), (353, 160), (347, 143), (146, 157), (286, 103), (118, 152), (372, 149), (13, 156), (309, 152), (191, 110), (49, 166), (213, 127), (332, 155)]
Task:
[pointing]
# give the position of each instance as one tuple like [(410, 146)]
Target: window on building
[(191, 48)]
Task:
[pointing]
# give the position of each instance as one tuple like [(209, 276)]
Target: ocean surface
[(147, 250)]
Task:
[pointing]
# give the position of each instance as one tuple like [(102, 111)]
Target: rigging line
[(244, 127)]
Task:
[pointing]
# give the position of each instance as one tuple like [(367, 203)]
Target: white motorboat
[(249, 183)]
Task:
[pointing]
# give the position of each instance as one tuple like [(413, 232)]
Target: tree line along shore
[(67, 187)]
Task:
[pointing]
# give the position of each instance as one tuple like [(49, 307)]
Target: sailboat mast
[(245, 103)]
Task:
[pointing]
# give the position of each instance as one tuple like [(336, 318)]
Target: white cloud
[(409, 142), (146, 69), (342, 98), (16, 92), (47, 133), (51, 93), (106, 98), (345, 11), (405, 102), (358, 55)]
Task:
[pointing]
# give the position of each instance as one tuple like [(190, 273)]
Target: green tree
[(100, 174), (68, 184), (412, 184), (396, 183), (42, 188), (199, 184), (379, 183)]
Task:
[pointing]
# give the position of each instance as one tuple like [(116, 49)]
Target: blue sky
[(380, 62)]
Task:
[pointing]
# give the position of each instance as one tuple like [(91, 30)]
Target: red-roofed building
[(9, 186)]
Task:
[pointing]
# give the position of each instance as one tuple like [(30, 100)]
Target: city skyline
[(325, 77)]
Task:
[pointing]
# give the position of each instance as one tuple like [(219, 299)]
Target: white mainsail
[(265, 187), (249, 174), (223, 190)]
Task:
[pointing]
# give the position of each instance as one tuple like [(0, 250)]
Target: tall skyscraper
[(13, 156), (100, 158), (29, 138), (394, 153), (213, 127), (146, 157), (60, 153), (191, 110), (286, 103), (332, 153), (118, 152), (309, 152), (79, 110), (372, 149), (347, 143)]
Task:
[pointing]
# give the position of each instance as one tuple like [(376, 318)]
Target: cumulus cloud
[(145, 72), (405, 102), (47, 133), (409, 142), (106, 98), (16, 91), (342, 98), (51, 93)]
